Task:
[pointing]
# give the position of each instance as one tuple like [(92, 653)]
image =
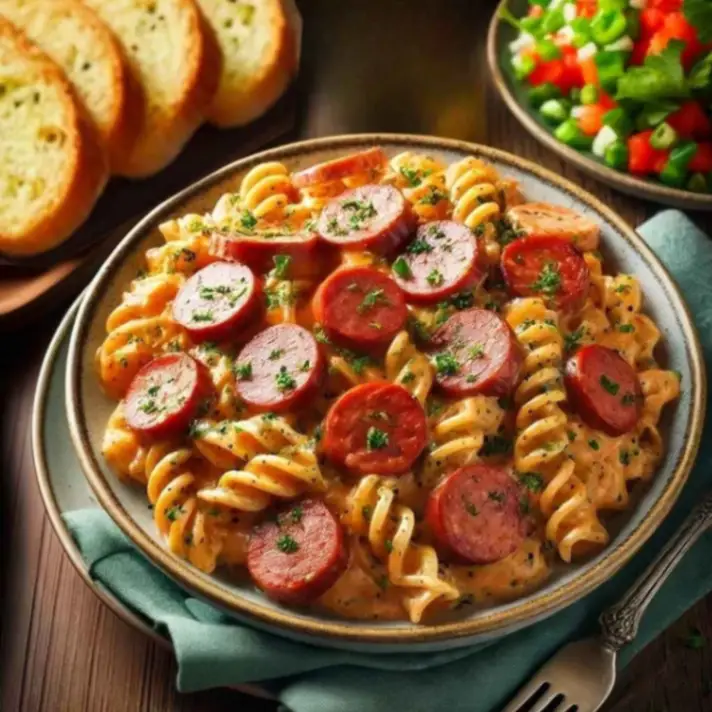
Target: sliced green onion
[(611, 66), (616, 156), (556, 110), (553, 21), (547, 50), (653, 114), (569, 133), (523, 66), (663, 137), (589, 94), (607, 26), (538, 95), (697, 183), (682, 154), (619, 121)]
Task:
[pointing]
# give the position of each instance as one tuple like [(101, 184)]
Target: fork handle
[(620, 622)]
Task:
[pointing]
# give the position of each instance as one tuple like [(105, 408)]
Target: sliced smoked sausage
[(443, 259), (165, 394), (475, 513), (360, 308), (548, 220), (375, 428), (547, 267), (604, 389), (372, 161), (297, 255), (300, 555), (280, 368), (373, 217), (475, 351), (217, 301)]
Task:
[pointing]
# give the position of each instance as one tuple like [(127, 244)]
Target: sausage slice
[(604, 389), (300, 555), (548, 220), (373, 217), (372, 161), (280, 368), (165, 394), (475, 351), (547, 267), (375, 428), (217, 300), (475, 513), (296, 256), (360, 307), (444, 258)]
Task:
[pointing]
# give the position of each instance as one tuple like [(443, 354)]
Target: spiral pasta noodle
[(279, 462), (459, 434), (541, 440), (186, 249), (375, 514), (422, 181), (408, 367)]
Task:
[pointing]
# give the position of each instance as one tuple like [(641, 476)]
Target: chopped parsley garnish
[(626, 328), (407, 377), (149, 407), (433, 197), (496, 496), (153, 391), (366, 511), (435, 278), (549, 280), (477, 351), (172, 513), (274, 354), (472, 378), (469, 507), (382, 582), (496, 445), (248, 220), (627, 399), (334, 228), (388, 545), (243, 371), (281, 265), (199, 316), (371, 299), (593, 444), (467, 599), (624, 457), (413, 176), (446, 364), (573, 340), (609, 386), (287, 544), (402, 268), (376, 439), (622, 289), (463, 300), (296, 514), (571, 435), (532, 481), (304, 367), (284, 381), (418, 247), (361, 211), (525, 506)]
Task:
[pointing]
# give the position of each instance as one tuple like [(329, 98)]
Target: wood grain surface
[(61, 650)]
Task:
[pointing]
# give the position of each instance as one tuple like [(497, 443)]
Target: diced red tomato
[(642, 157), (691, 121), (665, 5), (586, 8), (572, 75), (651, 20), (702, 160), (590, 120), (606, 101), (547, 72), (589, 71), (676, 27)]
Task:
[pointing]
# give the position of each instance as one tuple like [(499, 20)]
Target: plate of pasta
[(385, 390)]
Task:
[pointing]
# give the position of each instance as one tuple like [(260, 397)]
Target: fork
[(580, 676)]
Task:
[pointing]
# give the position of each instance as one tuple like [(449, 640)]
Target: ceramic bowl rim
[(623, 181), (527, 610)]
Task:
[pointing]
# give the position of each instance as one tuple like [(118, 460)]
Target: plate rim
[(341, 631), (640, 188), (44, 482)]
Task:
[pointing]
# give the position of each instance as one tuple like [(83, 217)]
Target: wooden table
[(61, 650)]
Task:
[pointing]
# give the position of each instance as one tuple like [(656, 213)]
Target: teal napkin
[(213, 650)]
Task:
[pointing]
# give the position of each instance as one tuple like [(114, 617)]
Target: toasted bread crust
[(161, 137), (238, 105), (85, 168), (115, 120)]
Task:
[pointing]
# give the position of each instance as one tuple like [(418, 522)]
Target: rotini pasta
[(353, 407)]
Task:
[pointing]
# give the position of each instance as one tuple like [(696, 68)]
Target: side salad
[(629, 81)]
